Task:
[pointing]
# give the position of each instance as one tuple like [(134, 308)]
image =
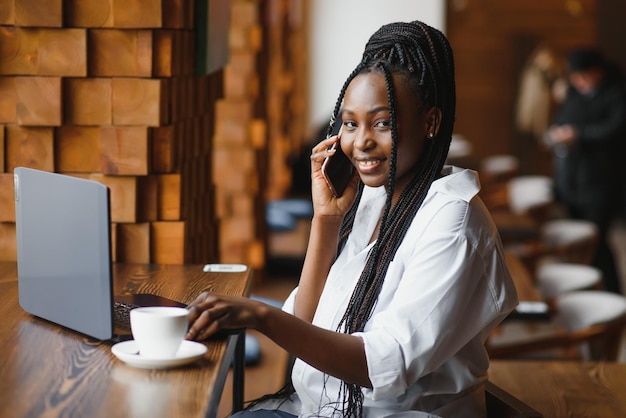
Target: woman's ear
[(433, 120)]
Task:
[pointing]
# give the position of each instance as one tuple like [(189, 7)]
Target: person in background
[(404, 276), (588, 139)]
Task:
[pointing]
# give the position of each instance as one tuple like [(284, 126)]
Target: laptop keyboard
[(121, 315)]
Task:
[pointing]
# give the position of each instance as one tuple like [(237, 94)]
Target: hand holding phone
[(337, 170)]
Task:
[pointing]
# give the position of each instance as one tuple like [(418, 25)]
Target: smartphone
[(337, 170)]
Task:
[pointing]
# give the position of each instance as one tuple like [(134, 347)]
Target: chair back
[(531, 195), (597, 318), (571, 241), (589, 326)]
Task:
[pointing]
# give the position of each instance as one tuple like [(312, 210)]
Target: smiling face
[(366, 131)]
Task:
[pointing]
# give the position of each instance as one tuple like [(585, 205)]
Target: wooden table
[(46, 370), (565, 389)]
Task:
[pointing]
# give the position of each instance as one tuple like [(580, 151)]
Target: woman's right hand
[(324, 202), (211, 313)]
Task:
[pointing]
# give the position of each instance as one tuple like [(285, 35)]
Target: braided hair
[(423, 57)]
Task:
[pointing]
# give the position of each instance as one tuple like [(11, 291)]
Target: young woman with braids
[(404, 275)]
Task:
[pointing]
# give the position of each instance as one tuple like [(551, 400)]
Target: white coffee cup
[(159, 331)]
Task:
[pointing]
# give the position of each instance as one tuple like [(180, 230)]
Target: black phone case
[(337, 170)]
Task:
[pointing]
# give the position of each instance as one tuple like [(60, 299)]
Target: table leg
[(238, 371)]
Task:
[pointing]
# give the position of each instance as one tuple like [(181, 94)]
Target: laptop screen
[(64, 250)]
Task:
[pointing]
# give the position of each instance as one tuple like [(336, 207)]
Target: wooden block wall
[(285, 60), (236, 173), (107, 90), (259, 122)]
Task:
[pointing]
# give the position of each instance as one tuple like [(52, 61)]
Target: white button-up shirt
[(446, 289)]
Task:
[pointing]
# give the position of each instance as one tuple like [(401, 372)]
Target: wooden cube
[(237, 229), (87, 101), (169, 196), (29, 147), (168, 242), (255, 256), (176, 13), (2, 159), (7, 12), (38, 101), (43, 52), (232, 118), (77, 149), (139, 102), (258, 133), (120, 53), (230, 163), (38, 13), (244, 14), (7, 198), (123, 196), (147, 198), (165, 62), (163, 149), (8, 100), (62, 52), (8, 242), (19, 49), (124, 150), (89, 13), (113, 232), (138, 13), (133, 243)]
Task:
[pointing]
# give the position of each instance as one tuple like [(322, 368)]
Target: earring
[(431, 135)]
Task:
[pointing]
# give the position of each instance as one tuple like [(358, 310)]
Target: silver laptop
[(64, 255)]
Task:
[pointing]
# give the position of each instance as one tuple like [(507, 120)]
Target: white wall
[(339, 30)]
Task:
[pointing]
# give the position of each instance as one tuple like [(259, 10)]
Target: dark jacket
[(586, 173)]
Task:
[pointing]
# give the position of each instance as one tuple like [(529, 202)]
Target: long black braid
[(424, 57)]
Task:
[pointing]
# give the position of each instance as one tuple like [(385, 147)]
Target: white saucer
[(188, 352)]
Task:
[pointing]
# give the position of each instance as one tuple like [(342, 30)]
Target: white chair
[(498, 168), (561, 240), (598, 314), (570, 240), (556, 278), (531, 194), (588, 325)]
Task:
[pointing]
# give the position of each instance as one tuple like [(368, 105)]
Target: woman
[(404, 275)]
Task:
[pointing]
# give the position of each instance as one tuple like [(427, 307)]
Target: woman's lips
[(369, 165)]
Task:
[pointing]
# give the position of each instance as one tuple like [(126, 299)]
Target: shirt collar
[(455, 181), (458, 182)]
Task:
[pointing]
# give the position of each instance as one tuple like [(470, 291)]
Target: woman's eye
[(382, 124), (349, 124)]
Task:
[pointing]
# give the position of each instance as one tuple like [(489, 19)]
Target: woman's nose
[(363, 139)]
